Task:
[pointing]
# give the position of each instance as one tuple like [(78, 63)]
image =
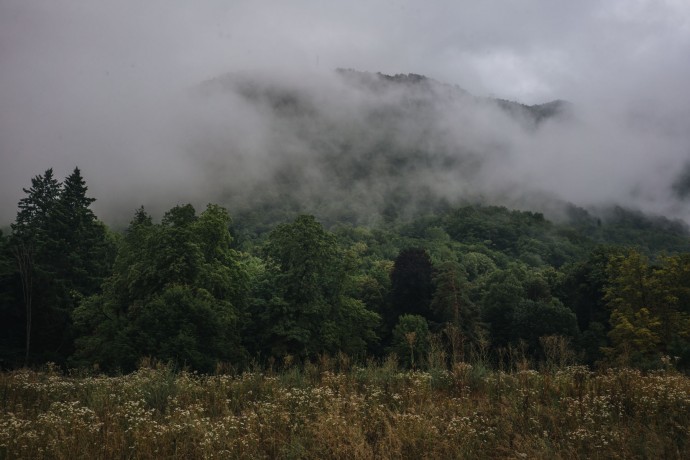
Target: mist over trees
[(202, 290), (365, 147), (372, 214)]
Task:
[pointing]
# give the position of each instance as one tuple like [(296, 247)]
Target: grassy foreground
[(334, 410)]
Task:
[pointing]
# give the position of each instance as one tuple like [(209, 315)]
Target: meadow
[(333, 408)]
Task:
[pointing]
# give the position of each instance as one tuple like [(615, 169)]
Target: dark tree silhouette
[(412, 283)]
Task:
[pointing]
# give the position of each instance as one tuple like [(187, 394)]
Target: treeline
[(200, 290)]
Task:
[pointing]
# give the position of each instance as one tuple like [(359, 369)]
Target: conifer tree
[(62, 254), (412, 283), (32, 241), (451, 304)]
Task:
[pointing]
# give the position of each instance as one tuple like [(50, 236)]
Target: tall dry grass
[(335, 409)]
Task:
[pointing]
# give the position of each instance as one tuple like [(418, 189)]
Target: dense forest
[(200, 289), (344, 230)]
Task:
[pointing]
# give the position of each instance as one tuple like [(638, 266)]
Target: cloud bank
[(113, 88)]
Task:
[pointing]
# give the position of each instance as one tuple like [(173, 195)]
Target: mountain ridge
[(365, 146)]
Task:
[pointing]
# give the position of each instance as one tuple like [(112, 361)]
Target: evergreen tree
[(37, 210), (458, 315), (34, 246), (82, 239), (412, 284), (62, 254), (12, 321)]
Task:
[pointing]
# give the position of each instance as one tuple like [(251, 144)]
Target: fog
[(165, 102)]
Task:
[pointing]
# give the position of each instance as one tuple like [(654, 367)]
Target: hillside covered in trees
[(363, 147), (200, 289)]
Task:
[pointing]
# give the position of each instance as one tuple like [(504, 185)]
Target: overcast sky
[(93, 83)]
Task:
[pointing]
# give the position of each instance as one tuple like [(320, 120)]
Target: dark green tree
[(176, 294), (518, 306), (538, 318), (449, 299), (32, 244), (310, 309), (62, 254), (504, 291), (582, 289), (412, 283), (87, 248), (12, 329), (451, 304)]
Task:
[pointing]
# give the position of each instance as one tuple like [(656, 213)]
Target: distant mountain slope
[(420, 88), (365, 147)]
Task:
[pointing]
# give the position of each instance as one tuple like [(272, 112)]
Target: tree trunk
[(24, 256)]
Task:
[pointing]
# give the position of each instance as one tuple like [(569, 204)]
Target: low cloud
[(114, 88)]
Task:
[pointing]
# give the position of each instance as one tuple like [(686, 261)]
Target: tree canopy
[(459, 281)]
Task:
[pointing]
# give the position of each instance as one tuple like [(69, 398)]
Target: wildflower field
[(332, 409)]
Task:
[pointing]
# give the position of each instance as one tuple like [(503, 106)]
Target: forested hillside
[(364, 147), (201, 289)]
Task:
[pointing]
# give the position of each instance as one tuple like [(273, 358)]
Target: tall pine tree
[(31, 241), (62, 254)]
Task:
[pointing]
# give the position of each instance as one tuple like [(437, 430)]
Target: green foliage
[(477, 265), (649, 308), (582, 286), (481, 278), (188, 326), (38, 209), (62, 254), (411, 340), (12, 339), (451, 304), (520, 234), (649, 234), (518, 306), (310, 309), (582, 289), (412, 283), (175, 294), (504, 291), (534, 319)]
